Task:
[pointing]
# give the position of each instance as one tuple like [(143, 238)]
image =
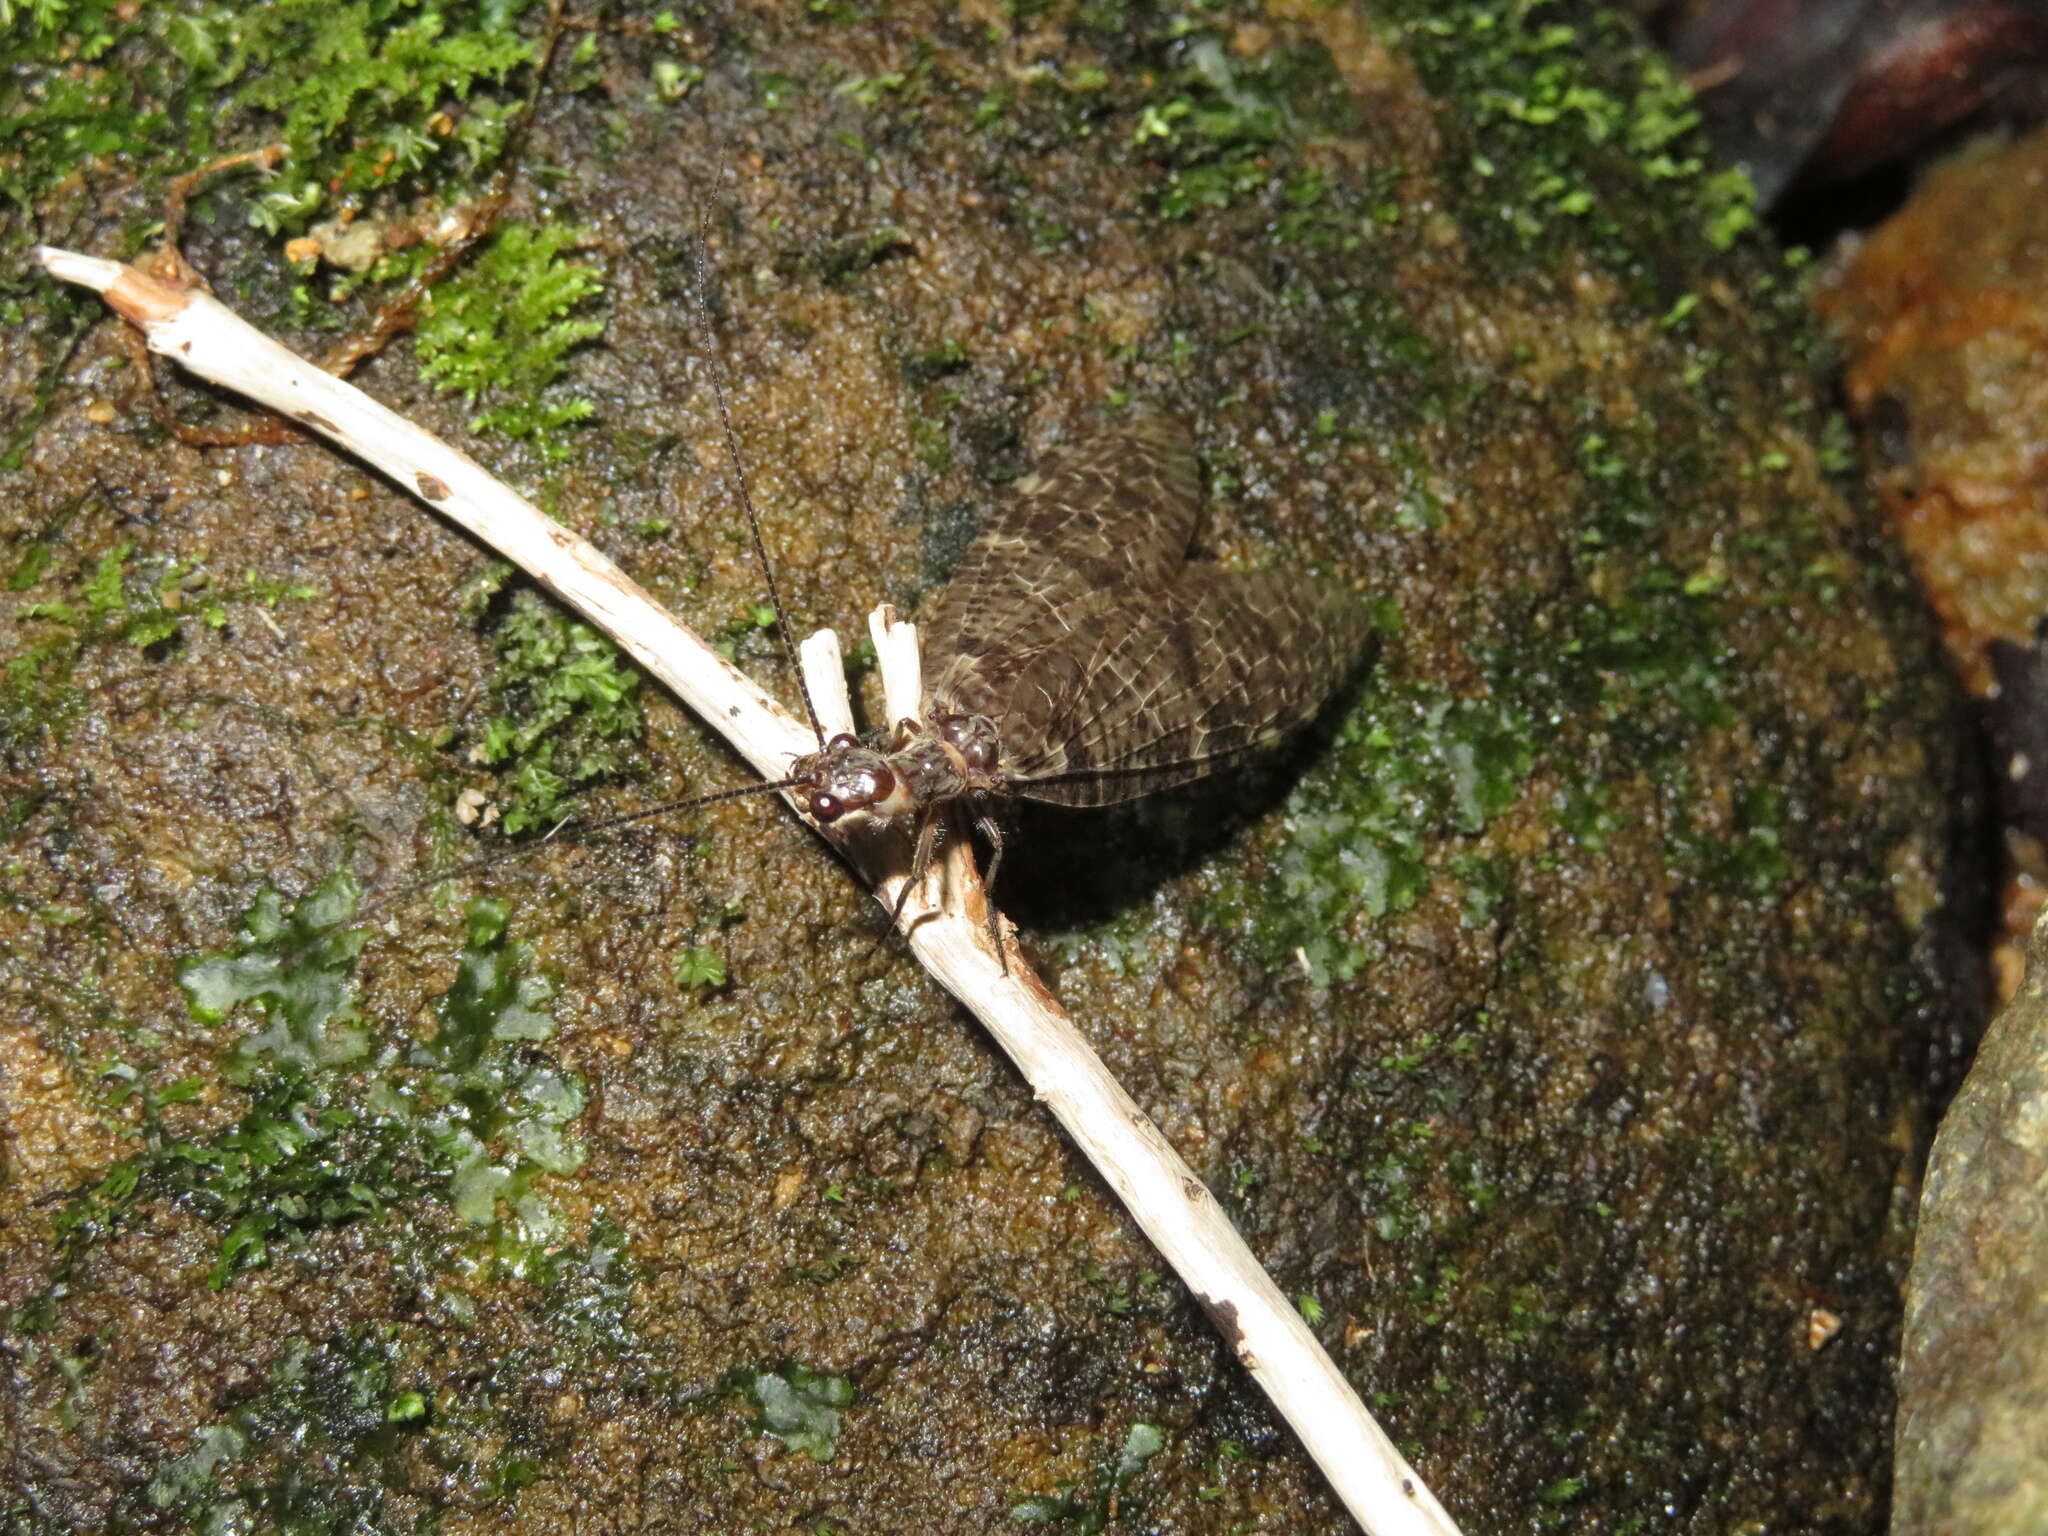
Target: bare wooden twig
[(946, 920)]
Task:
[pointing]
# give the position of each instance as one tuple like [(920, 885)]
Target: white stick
[(1162, 1193), (902, 663), (825, 677)]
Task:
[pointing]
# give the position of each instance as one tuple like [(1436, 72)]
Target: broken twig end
[(130, 293)]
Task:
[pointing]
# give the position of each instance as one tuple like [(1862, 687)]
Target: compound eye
[(826, 807), (842, 743)]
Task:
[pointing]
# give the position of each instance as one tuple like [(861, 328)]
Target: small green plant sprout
[(1091, 1510), (800, 1407), (701, 969), (758, 620), (406, 1408)]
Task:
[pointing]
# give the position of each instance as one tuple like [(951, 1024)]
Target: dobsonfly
[(1078, 656)]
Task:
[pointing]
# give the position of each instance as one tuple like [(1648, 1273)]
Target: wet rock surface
[(1971, 1386), (1554, 1021)]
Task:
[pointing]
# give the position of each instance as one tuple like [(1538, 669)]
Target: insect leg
[(991, 830), (928, 835)]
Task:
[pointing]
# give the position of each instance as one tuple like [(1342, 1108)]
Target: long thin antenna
[(716, 358), (492, 860)]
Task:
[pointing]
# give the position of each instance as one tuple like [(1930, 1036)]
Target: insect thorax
[(927, 761)]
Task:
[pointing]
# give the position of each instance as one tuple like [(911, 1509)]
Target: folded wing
[(1114, 512), (1111, 665), (1171, 684)]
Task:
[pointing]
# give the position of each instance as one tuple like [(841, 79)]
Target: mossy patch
[(369, 98), (1410, 766), (319, 1450), (381, 115), (293, 968), (567, 711), (1217, 116), (337, 1123), (1570, 125), (123, 598), (499, 331), (333, 1438)]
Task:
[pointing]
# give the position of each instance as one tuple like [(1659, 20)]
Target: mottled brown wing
[(1156, 687), (1113, 512)]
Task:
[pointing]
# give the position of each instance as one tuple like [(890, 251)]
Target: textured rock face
[(1937, 312), (1971, 1386), (1553, 1022)]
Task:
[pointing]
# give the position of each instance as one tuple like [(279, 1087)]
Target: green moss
[(320, 1450), (568, 711), (1645, 646), (1641, 648), (947, 358), (294, 969), (500, 330), (872, 91), (1752, 862), (1652, 660), (1216, 117), (1409, 766), (589, 1290), (338, 1125), (1570, 124), (1121, 944), (370, 98), (495, 1113), (120, 600), (775, 89), (1395, 1180), (380, 111), (401, 78), (37, 696), (934, 444), (81, 82), (332, 1442)]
